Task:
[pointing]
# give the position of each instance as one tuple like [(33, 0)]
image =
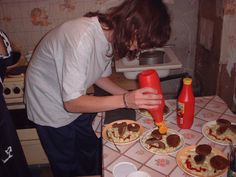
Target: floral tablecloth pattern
[(206, 109)]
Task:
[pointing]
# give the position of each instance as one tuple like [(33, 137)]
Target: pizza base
[(226, 138), (127, 137), (200, 170), (167, 150)]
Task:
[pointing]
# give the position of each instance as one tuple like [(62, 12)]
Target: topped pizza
[(202, 160), (162, 144), (220, 131), (122, 131)]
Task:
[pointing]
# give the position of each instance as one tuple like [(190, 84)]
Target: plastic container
[(185, 105), (139, 174), (150, 78), (123, 169)]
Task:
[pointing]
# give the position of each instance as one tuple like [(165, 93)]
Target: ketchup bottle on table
[(185, 105), (150, 78)]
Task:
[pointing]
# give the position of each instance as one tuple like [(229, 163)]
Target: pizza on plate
[(202, 160), (123, 131), (162, 144), (220, 131)]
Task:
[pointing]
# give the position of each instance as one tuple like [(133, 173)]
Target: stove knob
[(16, 90), (7, 91)]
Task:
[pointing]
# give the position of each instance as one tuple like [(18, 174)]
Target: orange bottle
[(150, 78), (185, 105)]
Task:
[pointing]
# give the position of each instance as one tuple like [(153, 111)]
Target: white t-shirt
[(67, 61)]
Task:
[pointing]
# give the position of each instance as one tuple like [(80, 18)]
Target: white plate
[(186, 151), (105, 129), (168, 151), (205, 129)]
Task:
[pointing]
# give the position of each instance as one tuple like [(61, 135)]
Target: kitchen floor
[(41, 171), (45, 171)]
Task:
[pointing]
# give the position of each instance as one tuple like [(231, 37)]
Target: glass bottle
[(232, 162)]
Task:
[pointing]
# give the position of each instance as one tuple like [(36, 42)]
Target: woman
[(76, 55), (13, 162)]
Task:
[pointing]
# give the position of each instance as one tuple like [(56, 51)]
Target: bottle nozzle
[(162, 127)]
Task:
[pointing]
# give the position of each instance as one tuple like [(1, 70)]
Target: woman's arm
[(145, 98), (108, 85)]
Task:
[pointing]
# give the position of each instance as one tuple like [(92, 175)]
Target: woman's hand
[(145, 98)]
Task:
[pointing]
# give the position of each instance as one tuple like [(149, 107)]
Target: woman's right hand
[(145, 98)]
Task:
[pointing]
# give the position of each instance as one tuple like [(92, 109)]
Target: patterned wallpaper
[(26, 21)]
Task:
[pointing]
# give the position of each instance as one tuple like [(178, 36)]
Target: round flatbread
[(160, 146)]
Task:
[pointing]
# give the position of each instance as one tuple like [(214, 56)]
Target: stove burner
[(17, 71)]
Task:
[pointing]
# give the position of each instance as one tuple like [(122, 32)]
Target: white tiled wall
[(16, 21), (16, 17)]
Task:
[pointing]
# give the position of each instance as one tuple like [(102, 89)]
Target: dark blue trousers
[(74, 149)]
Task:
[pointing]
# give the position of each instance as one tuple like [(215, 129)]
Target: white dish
[(123, 169), (205, 130), (168, 150)]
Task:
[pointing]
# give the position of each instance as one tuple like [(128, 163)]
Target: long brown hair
[(146, 21)]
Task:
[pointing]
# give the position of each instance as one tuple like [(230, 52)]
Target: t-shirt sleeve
[(76, 59), (108, 70)]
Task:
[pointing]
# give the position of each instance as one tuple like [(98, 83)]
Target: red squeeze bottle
[(185, 105), (150, 78)]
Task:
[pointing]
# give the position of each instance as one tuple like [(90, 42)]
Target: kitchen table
[(206, 109)]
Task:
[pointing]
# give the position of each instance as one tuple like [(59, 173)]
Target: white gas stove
[(14, 90)]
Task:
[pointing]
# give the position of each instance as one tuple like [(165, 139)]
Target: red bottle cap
[(187, 81)]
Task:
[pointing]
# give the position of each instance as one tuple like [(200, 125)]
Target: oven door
[(19, 116)]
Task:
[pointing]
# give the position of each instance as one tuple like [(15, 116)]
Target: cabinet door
[(208, 46)]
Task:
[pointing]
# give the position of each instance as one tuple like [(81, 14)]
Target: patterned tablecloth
[(206, 109)]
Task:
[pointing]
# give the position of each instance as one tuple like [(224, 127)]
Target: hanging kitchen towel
[(13, 162)]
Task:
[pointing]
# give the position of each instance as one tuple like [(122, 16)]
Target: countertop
[(120, 80)]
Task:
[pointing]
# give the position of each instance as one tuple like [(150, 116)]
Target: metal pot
[(151, 57)]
